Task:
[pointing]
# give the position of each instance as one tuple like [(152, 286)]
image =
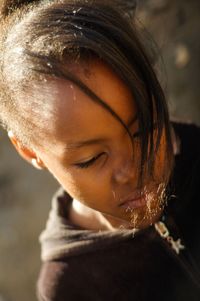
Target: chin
[(147, 221), (139, 218), (142, 217)]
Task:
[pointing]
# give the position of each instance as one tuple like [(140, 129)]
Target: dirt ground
[(25, 193)]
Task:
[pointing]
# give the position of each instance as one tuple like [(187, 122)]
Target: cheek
[(72, 184), (89, 187)]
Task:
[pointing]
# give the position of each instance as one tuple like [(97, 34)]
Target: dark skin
[(99, 174)]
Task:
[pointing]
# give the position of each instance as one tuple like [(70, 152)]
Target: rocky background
[(175, 26), (25, 193)]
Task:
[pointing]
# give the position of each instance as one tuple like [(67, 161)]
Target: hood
[(61, 238)]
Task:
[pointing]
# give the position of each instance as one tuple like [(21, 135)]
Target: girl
[(80, 98)]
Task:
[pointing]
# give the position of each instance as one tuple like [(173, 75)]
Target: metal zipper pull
[(176, 245)]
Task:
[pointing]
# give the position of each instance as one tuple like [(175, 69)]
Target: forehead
[(77, 115)]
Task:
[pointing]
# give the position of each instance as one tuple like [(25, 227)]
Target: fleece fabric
[(128, 265)]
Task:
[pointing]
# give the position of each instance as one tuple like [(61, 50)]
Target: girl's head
[(80, 98)]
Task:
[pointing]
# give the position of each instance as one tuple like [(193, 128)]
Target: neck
[(88, 218)]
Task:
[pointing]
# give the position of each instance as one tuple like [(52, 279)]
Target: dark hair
[(41, 37)]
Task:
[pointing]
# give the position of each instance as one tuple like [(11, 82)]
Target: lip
[(133, 201), (134, 204)]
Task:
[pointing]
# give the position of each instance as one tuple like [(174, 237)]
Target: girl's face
[(90, 153)]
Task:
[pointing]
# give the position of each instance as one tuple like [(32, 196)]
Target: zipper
[(176, 245)]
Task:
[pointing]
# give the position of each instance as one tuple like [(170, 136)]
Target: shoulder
[(186, 182), (189, 135), (187, 161)]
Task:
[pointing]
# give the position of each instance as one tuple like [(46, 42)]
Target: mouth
[(134, 201), (139, 198)]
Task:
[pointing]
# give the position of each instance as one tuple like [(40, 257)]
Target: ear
[(26, 153)]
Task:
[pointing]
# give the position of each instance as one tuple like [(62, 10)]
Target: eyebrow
[(79, 144)]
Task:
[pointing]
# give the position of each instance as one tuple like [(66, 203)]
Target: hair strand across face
[(45, 37)]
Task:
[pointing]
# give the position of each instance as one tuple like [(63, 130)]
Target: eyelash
[(93, 160), (88, 163)]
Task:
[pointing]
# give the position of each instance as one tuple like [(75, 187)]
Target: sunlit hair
[(41, 39)]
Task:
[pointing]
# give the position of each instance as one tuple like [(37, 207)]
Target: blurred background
[(25, 193)]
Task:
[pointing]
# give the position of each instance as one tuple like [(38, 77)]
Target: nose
[(125, 172)]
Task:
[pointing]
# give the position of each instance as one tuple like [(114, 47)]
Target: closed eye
[(88, 163)]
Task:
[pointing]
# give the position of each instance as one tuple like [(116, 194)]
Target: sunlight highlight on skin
[(159, 197)]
